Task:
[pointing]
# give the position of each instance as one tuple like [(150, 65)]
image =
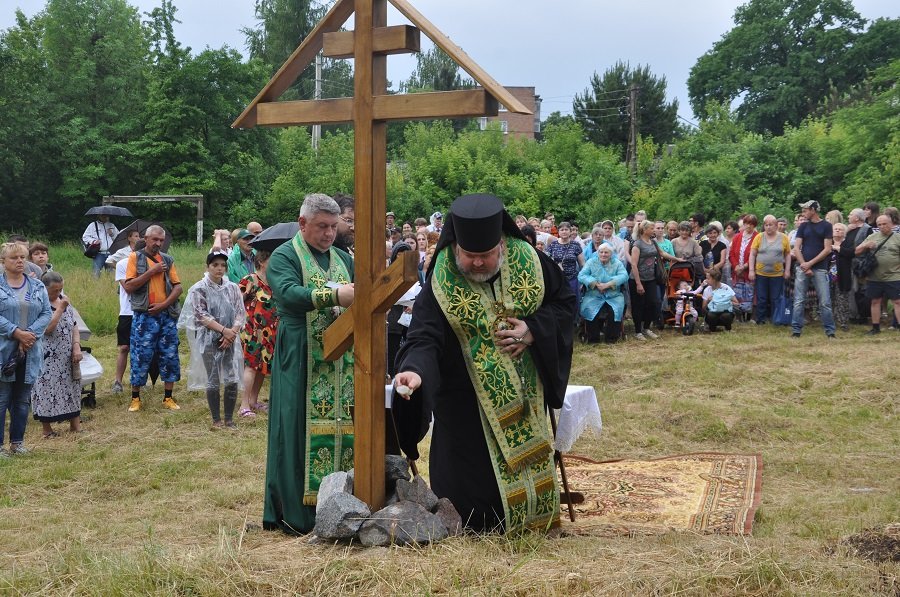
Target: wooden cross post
[(371, 108)]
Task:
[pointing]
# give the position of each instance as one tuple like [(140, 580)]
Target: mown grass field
[(154, 503)]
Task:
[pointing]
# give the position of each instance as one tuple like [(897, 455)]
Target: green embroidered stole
[(510, 394), (329, 384)]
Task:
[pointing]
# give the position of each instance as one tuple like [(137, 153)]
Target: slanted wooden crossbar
[(370, 109)]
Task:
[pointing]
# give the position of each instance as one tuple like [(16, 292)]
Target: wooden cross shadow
[(377, 287)]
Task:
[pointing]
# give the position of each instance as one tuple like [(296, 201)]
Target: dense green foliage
[(99, 103), (842, 159), (783, 57), (99, 100)]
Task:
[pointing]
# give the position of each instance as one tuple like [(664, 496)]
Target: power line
[(602, 110), (610, 92), (693, 124), (610, 100)]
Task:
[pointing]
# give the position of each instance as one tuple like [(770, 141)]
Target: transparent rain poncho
[(211, 366)]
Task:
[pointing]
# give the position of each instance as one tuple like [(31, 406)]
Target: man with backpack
[(152, 282)]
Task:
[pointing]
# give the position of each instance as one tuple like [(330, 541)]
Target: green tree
[(28, 172), (860, 156), (603, 109), (703, 173), (102, 104), (566, 174), (303, 170), (556, 118), (435, 71), (95, 52), (281, 27), (187, 145), (782, 57)]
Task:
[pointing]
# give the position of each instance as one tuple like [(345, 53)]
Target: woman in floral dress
[(569, 256), (57, 394), (258, 335)]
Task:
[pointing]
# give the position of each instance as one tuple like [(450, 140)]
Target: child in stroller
[(685, 312), (680, 308)]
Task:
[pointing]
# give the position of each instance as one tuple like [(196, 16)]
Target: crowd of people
[(231, 327), (658, 271), (806, 271)]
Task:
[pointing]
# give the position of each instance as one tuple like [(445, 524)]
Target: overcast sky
[(553, 46)]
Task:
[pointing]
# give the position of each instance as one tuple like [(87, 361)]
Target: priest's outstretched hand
[(409, 380)]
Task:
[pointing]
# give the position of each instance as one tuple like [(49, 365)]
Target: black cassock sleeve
[(432, 350), (425, 340), (553, 328)]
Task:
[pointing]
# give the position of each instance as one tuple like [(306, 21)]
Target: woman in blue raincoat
[(603, 304)]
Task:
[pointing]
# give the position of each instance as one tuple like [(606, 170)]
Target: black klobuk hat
[(477, 222)]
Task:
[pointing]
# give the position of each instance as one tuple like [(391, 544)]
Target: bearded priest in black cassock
[(489, 347)]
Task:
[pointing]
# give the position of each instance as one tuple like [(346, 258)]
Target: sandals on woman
[(51, 435), (246, 412), (261, 407)]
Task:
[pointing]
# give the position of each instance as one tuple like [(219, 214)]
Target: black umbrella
[(109, 210), (141, 226), (274, 236)]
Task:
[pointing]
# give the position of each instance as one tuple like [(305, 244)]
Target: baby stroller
[(681, 272)]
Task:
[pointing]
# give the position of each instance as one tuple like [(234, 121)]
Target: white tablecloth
[(579, 413)]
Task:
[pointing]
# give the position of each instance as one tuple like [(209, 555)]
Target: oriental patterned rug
[(702, 492)]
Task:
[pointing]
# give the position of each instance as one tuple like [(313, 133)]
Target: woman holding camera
[(24, 315)]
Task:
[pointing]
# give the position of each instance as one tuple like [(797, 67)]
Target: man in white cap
[(437, 222), (488, 350)]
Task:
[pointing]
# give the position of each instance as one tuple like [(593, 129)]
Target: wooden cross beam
[(377, 287), (466, 103)]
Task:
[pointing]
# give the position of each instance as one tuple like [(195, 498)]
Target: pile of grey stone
[(413, 514)]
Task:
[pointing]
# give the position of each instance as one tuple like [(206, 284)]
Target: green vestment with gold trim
[(310, 430), (509, 391)]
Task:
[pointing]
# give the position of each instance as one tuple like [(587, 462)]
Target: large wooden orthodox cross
[(377, 287)]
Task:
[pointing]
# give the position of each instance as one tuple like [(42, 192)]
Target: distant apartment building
[(518, 125)]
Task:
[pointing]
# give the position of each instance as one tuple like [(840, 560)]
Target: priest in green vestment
[(489, 348), (310, 427)]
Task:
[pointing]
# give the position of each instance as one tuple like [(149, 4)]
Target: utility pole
[(631, 151), (317, 128)]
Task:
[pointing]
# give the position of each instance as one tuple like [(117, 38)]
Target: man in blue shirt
[(812, 249)]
